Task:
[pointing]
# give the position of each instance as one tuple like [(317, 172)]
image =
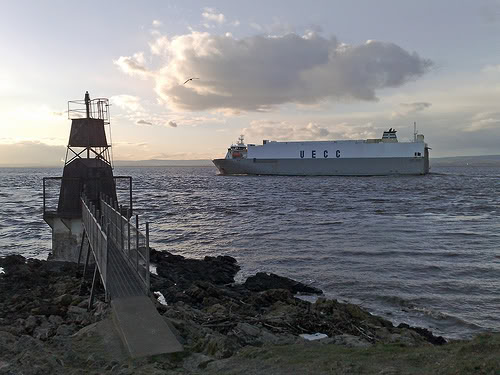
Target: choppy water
[(423, 250)]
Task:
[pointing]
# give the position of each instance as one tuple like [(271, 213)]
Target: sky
[(278, 70)]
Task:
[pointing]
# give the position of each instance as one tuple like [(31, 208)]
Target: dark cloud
[(416, 107), (143, 122), (173, 124)]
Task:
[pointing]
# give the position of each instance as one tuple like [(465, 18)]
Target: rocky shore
[(225, 327)]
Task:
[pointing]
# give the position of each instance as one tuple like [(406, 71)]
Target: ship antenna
[(414, 131)]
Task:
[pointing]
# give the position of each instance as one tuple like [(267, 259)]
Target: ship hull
[(325, 167)]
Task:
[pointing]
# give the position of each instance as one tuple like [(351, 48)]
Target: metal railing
[(98, 108), (127, 237), (98, 240)]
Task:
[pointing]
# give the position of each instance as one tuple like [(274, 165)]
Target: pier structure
[(121, 254), (89, 224)]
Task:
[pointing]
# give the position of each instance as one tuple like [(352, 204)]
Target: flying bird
[(189, 79)]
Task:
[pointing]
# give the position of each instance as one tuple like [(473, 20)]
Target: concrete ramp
[(142, 328)]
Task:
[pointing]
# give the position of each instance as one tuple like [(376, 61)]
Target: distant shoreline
[(450, 161)]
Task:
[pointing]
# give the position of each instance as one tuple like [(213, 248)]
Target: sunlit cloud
[(484, 121), (211, 15), (133, 65), (128, 103), (296, 131), (259, 73)]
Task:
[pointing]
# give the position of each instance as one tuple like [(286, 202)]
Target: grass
[(478, 356)]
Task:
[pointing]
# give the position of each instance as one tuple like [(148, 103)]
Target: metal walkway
[(121, 254), (120, 250)]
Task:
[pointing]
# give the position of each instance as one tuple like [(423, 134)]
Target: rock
[(268, 338), (12, 260), (100, 308), (30, 323), (64, 300), (29, 343), (196, 361), (86, 331), (41, 333), (265, 281), (65, 330), (177, 270), (4, 366), (248, 329), (55, 320), (47, 310), (270, 297), (435, 340), (7, 342), (216, 309), (351, 341)]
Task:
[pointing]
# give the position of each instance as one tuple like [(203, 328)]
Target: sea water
[(423, 250)]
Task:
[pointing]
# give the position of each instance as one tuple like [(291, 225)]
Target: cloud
[(173, 124), (259, 72), (129, 103), (31, 153), (287, 131), (416, 107), (143, 122), (256, 26), (211, 15), (484, 121), (491, 69), (410, 108), (157, 23), (133, 65)]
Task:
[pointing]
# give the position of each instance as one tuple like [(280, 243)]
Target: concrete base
[(142, 328), (66, 238)]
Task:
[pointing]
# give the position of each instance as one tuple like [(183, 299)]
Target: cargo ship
[(368, 157)]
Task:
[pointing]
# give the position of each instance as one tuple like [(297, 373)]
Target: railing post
[(44, 195), (116, 225), (130, 193), (107, 262), (121, 227), (147, 258), (128, 232), (137, 242)]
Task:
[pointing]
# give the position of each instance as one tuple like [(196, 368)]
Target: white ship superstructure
[(381, 156)]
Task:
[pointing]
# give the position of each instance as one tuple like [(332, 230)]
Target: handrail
[(133, 244), (98, 239)]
